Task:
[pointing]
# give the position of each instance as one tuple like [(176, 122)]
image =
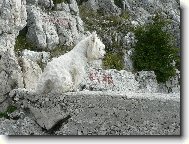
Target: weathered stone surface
[(113, 80), (10, 72), (12, 19), (147, 81), (143, 10), (107, 6), (40, 32), (103, 113), (25, 126), (13, 16), (63, 26), (99, 113), (31, 72), (110, 80), (38, 57), (128, 60)]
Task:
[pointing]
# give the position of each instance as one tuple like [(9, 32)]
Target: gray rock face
[(10, 73), (12, 19), (106, 6), (31, 72), (40, 32), (38, 57), (25, 126), (47, 30), (143, 10), (13, 16), (127, 114), (128, 60), (110, 80), (104, 113), (113, 80), (46, 109), (147, 81)]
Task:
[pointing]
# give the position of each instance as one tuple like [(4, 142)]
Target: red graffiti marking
[(107, 78), (58, 21)]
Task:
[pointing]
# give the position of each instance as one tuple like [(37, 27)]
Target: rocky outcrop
[(31, 72), (38, 57), (12, 19), (107, 6), (13, 16), (124, 81), (47, 29), (143, 10)]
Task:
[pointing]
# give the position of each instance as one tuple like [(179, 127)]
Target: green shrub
[(9, 110), (154, 50), (113, 61)]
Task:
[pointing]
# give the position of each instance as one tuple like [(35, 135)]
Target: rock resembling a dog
[(66, 72)]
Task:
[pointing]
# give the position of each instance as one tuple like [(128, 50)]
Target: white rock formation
[(12, 19), (66, 72), (13, 16), (39, 57), (47, 30), (31, 72), (124, 81), (107, 6), (41, 32)]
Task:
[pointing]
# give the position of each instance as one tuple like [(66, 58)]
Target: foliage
[(107, 25), (154, 50), (9, 110), (114, 61)]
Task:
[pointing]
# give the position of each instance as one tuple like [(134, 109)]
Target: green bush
[(154, 50), (113, 61), (9, 110)]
